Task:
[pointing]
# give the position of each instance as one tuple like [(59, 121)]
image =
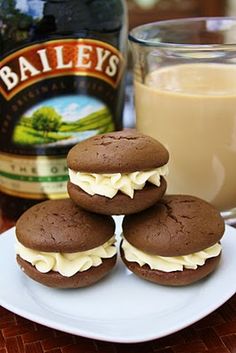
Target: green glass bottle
[(61, 81)]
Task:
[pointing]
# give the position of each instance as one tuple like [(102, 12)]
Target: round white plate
[(120, 308)]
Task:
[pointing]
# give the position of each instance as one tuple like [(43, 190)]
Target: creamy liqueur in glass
[(192, 110)]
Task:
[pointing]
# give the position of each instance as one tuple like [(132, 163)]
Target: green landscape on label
[(46, 126)]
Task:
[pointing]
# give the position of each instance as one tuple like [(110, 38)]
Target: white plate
[(122, 307)]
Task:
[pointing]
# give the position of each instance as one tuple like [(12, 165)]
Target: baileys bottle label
[(53, 95)]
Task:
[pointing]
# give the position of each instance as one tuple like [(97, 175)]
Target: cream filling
[(67, 264), (109, 184), (169, 264)]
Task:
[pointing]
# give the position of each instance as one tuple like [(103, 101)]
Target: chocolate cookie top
[(118, 152), (61, 226), (177, 225)]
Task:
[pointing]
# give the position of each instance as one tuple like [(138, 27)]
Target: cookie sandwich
[(176, 242), (63, 246), (117, 173)]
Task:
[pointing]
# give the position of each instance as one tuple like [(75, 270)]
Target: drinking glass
[(185, 96)]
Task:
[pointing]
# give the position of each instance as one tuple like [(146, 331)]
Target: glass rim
[(133, 38)]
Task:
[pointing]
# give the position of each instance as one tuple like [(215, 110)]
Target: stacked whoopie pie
[(170, 240), (117, 173)]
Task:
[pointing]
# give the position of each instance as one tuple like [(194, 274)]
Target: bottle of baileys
[(61, 81)]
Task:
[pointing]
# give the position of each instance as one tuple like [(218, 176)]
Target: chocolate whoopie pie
[(175, 242), (117, 173), (61, 245)]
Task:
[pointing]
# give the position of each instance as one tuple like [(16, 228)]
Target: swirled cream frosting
[(109, 184), (67, 264), (169, 264)]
